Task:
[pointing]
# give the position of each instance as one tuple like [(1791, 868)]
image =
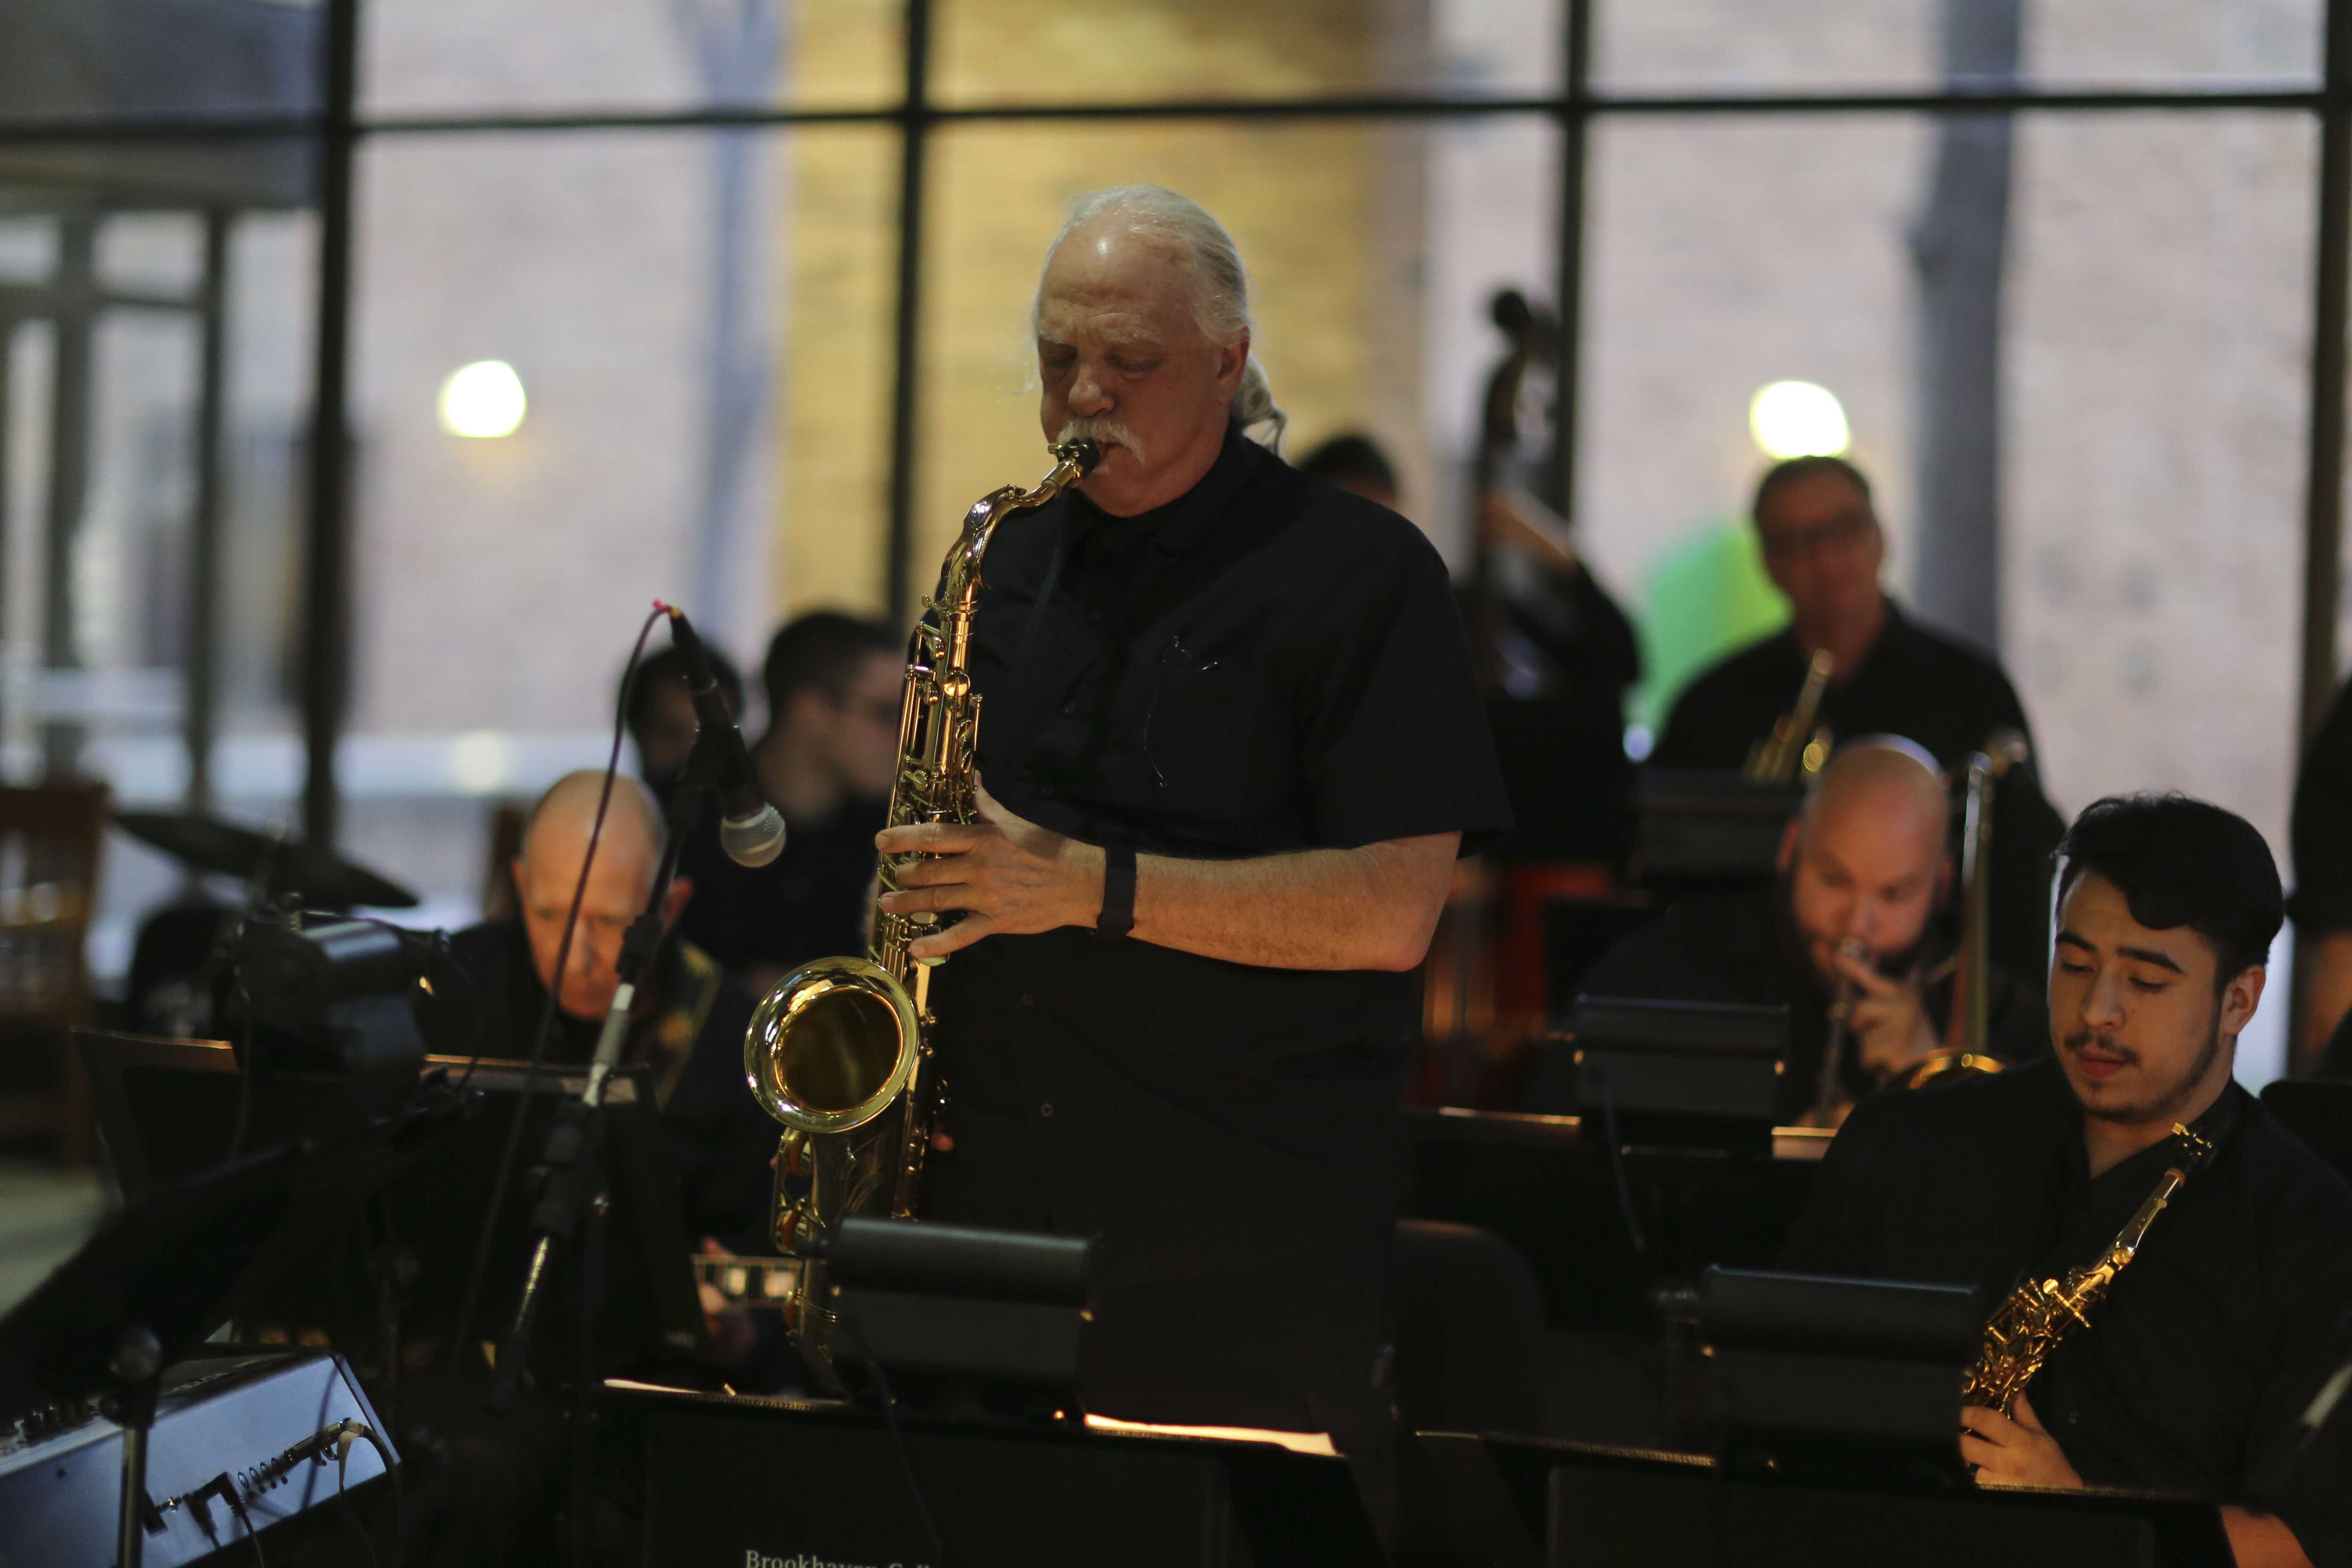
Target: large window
[(762, 371)]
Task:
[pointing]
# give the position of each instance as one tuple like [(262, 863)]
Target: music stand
[(1525, 1501), (1703, 1073), (1706, 828), (1841, 1379), (164, 1107), (138, 1296)]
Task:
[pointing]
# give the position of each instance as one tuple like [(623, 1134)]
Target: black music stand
[(138, 1296), (1528, 1501), (1680, 1073), (163, 1109), (1843, 1380), (1707, 829)]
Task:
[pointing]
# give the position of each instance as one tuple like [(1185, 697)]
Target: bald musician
[(1863, 871), (688, 1021), (1231, 749), (1826, 553)]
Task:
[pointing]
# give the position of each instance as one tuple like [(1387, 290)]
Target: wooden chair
[(50, 837)]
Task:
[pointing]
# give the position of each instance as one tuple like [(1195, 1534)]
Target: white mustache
[(1102, 433)]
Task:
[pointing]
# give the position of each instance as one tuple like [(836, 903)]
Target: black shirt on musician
[(1266, 664), (1915, 683), (1744, 948), (2207, 1348)]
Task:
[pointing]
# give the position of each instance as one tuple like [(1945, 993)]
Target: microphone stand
[(574, 1200)]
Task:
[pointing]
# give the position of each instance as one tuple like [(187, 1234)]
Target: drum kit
[(182, 958), (282, 868)]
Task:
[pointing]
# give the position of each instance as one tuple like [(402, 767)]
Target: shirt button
[(1028, 999), (1069, 710), (1046, 1109)]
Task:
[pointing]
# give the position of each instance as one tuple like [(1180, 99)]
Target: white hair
[(1220, 284)]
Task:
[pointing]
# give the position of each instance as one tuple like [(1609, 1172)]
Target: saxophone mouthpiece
[(1083, 452)]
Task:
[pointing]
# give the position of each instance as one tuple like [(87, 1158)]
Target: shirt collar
[(2138, 1172), (1174, 528), (1896, 628)]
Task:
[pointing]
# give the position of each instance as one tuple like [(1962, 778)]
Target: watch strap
[(1118, 917)]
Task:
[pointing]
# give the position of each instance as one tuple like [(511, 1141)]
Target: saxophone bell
[(831, 1046)]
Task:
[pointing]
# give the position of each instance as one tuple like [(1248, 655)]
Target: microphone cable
[(547, 1014)]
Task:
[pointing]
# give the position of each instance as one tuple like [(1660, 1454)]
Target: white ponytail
[(1254, 404)]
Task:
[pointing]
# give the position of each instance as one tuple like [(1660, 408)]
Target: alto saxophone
[(1795, 745), (2026, 1327), (840, 1041)]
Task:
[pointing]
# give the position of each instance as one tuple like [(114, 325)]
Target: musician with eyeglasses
[(1231, 747), (2206, 1348), (1824, 550), (826, 761)]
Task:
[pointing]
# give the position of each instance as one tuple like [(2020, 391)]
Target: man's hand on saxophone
[(1005, 873), (2013, 1450), (1371, 907)]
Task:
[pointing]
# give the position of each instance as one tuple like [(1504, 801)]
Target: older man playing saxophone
[(1233, 749)]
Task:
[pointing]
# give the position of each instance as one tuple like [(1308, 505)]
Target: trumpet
[(1829, 1093)]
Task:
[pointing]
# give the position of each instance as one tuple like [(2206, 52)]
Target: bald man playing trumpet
[(1848, 929)]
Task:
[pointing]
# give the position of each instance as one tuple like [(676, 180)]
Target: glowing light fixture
[(1798, 419), (482, 400)]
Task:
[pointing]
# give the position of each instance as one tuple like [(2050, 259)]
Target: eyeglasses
[(1840, 532)]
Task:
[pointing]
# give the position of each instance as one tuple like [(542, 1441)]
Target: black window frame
[(337, 128)]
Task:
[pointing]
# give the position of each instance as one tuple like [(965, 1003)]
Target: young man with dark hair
[(2211, 1344), (827, 762), (660, 716)]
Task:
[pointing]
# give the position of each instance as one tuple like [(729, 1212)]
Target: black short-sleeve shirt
[(2206, 1350), (1266, 664)]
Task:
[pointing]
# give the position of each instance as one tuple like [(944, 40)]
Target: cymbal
[(209, 844)]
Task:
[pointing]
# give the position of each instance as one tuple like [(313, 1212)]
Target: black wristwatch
[(1118, 917)]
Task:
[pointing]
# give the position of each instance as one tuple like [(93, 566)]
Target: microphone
[(749, 830)]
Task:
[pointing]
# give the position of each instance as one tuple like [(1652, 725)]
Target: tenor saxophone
[(2028, 1325), (839, 1043)]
